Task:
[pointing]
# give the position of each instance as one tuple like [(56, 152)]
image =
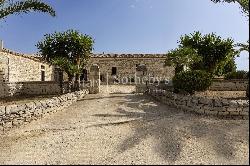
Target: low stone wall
[(29, 88), (215, 106), (229, 85), (16, 115)]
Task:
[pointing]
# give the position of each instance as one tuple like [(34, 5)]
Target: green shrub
[(237, 75), (192, 81)]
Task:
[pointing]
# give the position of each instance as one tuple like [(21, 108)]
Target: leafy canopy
[(9, 7), (212, 49), (70, 50), (181, 57), (203, 52), (243, 3)]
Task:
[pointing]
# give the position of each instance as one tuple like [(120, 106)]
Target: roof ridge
[(34, 57), (130, 55)]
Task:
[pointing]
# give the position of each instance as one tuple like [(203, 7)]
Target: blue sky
[(129, 26)]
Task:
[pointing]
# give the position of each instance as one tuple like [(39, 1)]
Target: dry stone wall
[(16, 115), (229, 85), (215, 106), (29, 88)]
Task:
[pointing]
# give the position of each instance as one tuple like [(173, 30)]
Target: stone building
[(130, 66), (16, 67), (28, 74)]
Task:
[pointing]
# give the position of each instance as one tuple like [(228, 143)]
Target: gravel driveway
[(126, 129)]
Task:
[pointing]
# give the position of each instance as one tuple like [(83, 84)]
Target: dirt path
[(126, 129)]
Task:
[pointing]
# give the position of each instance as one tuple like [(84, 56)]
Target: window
[(42, 75), (102, 78), (114, 71)]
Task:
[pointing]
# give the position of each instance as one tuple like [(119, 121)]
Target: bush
[(192, 81), (237, 75)]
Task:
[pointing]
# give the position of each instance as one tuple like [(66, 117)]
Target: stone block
[(245, 109), (7, 125), (2, 110), (208, 108), (223, 113), (225, 102), (17, 122), (30, 105), (244, 113), (217, 103), (205, 101), (38, 104), (211, 112), (234, 104), (11, 109), (234, 113), (199, 110)]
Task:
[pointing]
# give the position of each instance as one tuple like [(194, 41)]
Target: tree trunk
[(77, 77), (77, 82), (71, 83)]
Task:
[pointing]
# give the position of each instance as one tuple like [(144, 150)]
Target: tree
[(69, 50), (192, 81), (245, 9), (243, 46), (9, 7), (181, 57), (226, 67), (243, 3), (212, 49)]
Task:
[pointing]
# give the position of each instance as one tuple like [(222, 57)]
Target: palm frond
[(8, 7)]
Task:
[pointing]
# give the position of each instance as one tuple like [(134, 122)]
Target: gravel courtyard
[(126, 129)]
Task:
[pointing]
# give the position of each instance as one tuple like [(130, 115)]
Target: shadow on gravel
[(171, 128), (95, 98)]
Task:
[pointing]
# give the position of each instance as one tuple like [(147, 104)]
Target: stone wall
[(229, 85), (15, 67), (126, 65), (29, 88), (215, 106), (16, 115)]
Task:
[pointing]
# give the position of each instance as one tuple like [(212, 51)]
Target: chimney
[(1, 45)]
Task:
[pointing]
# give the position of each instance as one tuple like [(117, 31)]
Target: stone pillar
[(1, 45), (94, 78)]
